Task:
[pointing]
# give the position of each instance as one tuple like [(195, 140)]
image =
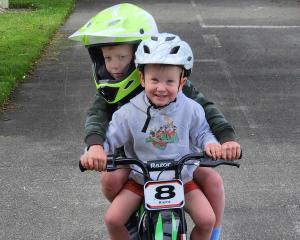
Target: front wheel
[(166, 225)]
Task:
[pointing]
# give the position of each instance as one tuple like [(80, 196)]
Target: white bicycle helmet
[(165, 48)]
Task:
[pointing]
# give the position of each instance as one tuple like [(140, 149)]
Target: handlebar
[(206, 161), (202, 161)]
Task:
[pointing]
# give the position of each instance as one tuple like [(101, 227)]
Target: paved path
[(247, 60)]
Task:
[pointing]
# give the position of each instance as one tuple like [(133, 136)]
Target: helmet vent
[(154, 38), (170, 38), (113, 22), (146, 49), (142, 31), (189, 58), (174, 50), (88, 24), (128, 84)]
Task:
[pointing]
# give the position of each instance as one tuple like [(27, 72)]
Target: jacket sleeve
[(220, 127), (200, 132), (96, 124), (118, 131)]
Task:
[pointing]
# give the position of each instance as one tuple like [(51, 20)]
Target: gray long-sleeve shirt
[(173, 131)]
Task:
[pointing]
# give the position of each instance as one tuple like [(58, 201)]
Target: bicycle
[(162, 216)]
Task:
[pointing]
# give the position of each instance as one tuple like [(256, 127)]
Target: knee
[(111, 221), (109, 189), (208, 179), (108, 181), (213, 183), (110, 184), (207, 222), (216, 182)]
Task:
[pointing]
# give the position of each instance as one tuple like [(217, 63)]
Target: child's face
[(117, 59), (162, 83)]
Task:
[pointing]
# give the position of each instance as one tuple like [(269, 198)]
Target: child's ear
[(182, 82), (142, 79)]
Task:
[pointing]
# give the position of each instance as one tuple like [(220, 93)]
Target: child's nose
[(161, 87), (115, 65)]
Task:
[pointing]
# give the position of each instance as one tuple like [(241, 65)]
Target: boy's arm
[(97, 120), (220, 127), (96, 125)]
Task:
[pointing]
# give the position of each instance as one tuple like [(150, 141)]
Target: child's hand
[(213, 150), (94, 158), (231, 150)]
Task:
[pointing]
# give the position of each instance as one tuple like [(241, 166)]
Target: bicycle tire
[(166, 225)]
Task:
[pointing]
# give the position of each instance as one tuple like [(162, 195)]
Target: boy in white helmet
[(165, 62), (105, 36)]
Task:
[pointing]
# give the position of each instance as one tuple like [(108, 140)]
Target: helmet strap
[(181, 77), (144, 129)]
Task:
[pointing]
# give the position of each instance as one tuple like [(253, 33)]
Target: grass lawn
[(24, 35)]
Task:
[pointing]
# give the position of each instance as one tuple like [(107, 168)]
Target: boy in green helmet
[(116, 26)]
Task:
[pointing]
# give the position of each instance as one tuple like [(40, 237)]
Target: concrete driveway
[(247, 61)]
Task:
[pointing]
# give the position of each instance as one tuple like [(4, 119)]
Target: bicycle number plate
[(164, 194)]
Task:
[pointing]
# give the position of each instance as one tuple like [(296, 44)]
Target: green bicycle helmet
[(120, 24)]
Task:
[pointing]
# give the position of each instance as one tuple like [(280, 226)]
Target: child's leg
[(212, 186), (118, 213), (112, 182), (201, 213)]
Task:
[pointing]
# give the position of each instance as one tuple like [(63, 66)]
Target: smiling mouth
[(160, 96)]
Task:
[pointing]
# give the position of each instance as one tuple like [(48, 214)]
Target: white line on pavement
[(203, 25), (250, 26), (233, 85), (206, 60)]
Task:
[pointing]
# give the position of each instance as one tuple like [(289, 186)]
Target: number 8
[(166, 189)]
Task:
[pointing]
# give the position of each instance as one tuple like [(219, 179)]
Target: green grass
[(24, 35)]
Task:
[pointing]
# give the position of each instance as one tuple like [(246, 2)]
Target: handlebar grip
[(214, 163), (110, 166), (236, 164), (82, 168)]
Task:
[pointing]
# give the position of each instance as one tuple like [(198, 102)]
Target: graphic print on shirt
[(163, 135)]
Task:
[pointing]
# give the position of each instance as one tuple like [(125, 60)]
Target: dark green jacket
[(100, 114)]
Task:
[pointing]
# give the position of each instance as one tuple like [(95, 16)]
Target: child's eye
[(170, 82), (107, 58), (154, 80)]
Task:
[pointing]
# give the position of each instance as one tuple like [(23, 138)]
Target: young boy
[(165, 62), (112, 28)]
